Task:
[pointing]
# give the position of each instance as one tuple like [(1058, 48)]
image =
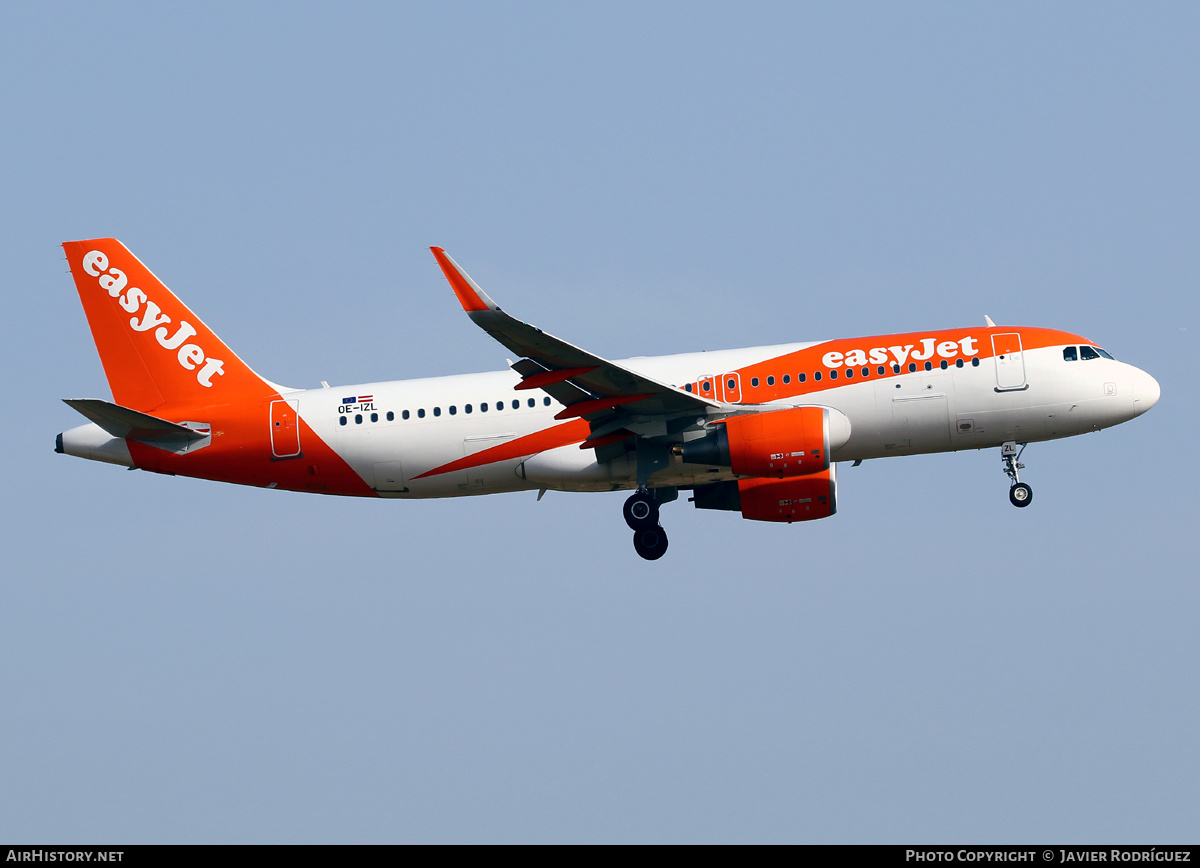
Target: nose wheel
[(641, 514), (1019, 494)]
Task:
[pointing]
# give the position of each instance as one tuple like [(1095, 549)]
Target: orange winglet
[(595, 405), (549, 378), (468, 295), (605, 439)]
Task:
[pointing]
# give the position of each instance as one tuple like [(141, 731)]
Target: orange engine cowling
[(778, 444), (781, 444), (801, 499)]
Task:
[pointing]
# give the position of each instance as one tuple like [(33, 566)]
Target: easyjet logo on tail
[(190, 356)]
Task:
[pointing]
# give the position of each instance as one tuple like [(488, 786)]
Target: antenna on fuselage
[(988, 320)]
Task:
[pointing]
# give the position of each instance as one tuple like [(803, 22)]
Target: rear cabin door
[(285, 429), (1010, 362)]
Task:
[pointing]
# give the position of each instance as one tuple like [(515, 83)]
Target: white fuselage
[(924, 411)]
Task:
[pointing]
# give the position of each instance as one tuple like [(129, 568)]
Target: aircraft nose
[(1145, 392)]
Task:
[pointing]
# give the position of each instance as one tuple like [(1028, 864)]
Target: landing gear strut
[(641, 514), (1019, 494)]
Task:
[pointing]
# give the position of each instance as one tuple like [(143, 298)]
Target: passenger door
[(1010, 362), (285, 430)]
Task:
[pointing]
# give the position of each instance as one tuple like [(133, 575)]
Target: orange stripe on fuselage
[(574, 431), (240, 452), (812, 360)]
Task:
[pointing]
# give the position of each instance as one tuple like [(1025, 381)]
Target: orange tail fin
[(154, 350)]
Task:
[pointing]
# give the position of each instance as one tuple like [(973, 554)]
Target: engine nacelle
[(778, 444), (803, 498)]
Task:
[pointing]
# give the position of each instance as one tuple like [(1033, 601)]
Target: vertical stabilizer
[(153, 348)]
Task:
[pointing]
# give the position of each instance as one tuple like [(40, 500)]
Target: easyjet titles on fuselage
[(879, 355)]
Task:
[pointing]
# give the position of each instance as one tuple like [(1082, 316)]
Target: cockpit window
[(1087, 354), (1104, 353), (1070, 354)]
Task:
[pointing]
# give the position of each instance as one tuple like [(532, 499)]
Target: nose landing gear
[(641, 514), (1019, 494)]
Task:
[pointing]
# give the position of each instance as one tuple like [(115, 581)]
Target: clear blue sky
[(187, 661)]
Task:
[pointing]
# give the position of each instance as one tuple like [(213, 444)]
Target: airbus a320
[(758, 431)]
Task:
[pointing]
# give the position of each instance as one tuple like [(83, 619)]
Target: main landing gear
[(1019, 494), (641, 514)]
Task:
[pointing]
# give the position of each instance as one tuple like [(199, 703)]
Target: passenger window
[(437, 411), (754, 381), (546, 401), (731, 384), (833, 375), (688, 387), (975, 362), (1070, 354), (787, 378), (944, 364), (421, 413), (516, 404), (374, 417), (866, 372), (404, 415), (532, 402), (817, 377), (770, 381), (466, 408), (1087, 354), (912, 366), (958, 363), (800, 378), (453, 410), (895, 369), (849, 373), (358, 418), (929, 366), (483, 407), (881, 370), (342, 420)]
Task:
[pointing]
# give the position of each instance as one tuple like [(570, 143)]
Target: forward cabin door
[(285, 429), (1010, 362)]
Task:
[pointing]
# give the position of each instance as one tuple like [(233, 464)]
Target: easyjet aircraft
[(755, 430)]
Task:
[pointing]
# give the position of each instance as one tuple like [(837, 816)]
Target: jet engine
[(802, 498), (777, 444)]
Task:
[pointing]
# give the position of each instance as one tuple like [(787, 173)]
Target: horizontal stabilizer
[(122, 422)]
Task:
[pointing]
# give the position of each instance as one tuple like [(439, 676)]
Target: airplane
[(758, 430)]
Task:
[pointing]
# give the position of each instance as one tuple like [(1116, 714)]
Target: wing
[(606, 394)]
